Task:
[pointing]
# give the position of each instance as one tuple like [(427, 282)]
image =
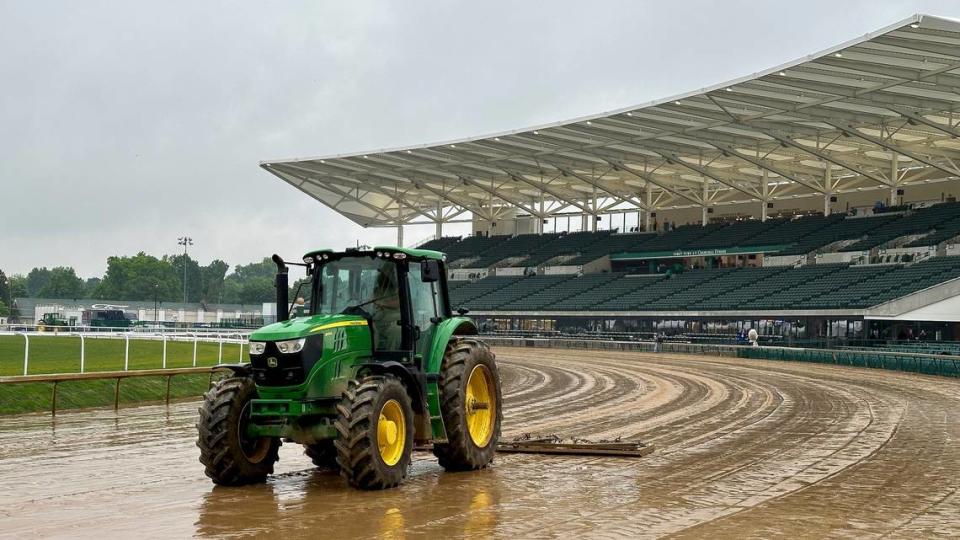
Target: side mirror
[(430, 270)]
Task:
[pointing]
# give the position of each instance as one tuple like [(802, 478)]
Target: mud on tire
[(228, 457), (358, 451), (460, 452)]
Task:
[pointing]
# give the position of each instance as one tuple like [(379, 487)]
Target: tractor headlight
[(291, 346), (257, 347)]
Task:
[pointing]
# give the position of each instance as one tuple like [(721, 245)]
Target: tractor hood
[(305, 326)]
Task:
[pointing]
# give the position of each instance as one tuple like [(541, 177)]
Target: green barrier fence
[(911, 362), (929, 364)]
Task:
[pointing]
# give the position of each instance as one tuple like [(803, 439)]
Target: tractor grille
[(275, 369)]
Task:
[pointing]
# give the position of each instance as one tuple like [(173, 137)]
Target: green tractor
[(376, 365), (55, 320)]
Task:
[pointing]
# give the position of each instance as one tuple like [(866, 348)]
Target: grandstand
[(813, 199)]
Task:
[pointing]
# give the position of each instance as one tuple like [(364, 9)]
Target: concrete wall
[(917, 252), (784, 260), (840, 257), (463, 274), (509, 271)]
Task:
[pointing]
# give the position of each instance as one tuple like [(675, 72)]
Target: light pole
[(184, 241)]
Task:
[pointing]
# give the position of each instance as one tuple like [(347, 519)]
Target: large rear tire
[(230, 458), (470, 402), (375, 433)]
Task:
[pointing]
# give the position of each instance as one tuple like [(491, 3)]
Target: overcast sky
[(124, 125)]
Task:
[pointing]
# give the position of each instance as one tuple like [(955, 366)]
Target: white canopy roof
[(877, 112)]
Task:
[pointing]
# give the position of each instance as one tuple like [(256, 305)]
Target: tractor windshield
[(366, 286)]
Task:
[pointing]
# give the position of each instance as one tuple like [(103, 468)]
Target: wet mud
[(745, 449)]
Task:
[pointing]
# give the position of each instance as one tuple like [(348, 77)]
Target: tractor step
[(575, 446)]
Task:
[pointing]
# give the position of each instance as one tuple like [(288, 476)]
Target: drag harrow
[(553, 444)]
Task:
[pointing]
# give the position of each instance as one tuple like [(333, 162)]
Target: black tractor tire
[(358, 450), (323, 454), (230, 458), (461, 452)]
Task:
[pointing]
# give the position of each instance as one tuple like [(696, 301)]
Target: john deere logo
[(272, 362)]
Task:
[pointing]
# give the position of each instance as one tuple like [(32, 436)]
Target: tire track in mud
[(744, 448), (542, 527)]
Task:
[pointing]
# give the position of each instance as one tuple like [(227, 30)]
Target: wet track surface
[(744, 449)]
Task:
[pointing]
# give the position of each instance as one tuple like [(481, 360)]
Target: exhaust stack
[(283, 287)]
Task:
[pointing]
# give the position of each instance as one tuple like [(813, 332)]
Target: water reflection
[(309, 503)]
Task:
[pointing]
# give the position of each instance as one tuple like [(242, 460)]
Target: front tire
[(470, 402), (230, 458), (375, 433)]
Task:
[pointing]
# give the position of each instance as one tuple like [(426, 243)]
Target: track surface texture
[(745, 449)]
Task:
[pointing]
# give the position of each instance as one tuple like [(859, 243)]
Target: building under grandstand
[(814, 199)]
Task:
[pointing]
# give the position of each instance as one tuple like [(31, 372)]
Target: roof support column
[(703, 208), (540, 218), (764, 201), (593, 216), (894, 178), (439, 232), (649, 208), (828, 188), (399, 223)]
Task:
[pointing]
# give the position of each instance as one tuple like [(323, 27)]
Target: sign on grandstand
[(697, 252)]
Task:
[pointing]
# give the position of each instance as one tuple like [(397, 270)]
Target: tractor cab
[(401, 294)]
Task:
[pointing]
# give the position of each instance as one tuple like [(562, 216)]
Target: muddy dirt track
[(744, 449)]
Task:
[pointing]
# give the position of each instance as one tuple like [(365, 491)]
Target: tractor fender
[(416, 385), (238, 370), (454, 326)]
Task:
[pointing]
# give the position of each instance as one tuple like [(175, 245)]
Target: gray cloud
[(124, 125)]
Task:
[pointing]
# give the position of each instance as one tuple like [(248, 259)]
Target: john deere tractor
[(376, 365)]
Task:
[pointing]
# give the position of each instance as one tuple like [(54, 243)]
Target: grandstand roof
[(876, 112)]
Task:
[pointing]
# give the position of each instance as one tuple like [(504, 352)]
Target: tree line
[(144, 277)]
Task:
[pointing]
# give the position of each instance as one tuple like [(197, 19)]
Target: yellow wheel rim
[(391, 432), (481, 405)]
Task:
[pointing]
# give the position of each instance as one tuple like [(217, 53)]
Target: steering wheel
[(356, 310)]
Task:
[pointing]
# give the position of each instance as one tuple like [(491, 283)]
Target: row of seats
[(440, 244), (738, 234), (572, 244), (559, 291), (801, 235), (512, 292), (828, 286), (921, 221), (517, 246)]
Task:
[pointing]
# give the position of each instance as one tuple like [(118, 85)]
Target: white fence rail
[(194, 336), (147, 330)]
